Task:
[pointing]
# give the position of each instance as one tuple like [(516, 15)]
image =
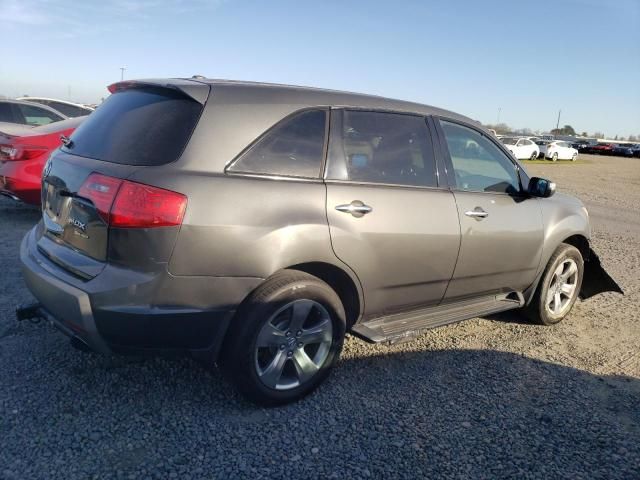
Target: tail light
[(126, 204), (20, 152)]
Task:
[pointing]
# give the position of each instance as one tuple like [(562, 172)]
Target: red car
[(602, 148), (23, 153)]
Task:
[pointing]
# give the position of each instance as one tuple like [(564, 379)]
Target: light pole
[(558, 122), (122, 69)]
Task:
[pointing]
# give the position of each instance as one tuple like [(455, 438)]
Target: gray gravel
[(487, 398)]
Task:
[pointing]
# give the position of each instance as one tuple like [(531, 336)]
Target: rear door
[(134, 128), (501, 229), (390, 219)]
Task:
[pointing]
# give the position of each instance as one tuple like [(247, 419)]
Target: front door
[(501, 228), (389, 220)]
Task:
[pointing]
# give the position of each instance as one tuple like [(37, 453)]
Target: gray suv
[(254, 225)]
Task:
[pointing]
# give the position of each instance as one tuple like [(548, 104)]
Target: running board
[(402, 327)]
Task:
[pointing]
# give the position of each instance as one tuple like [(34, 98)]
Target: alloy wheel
[(562, 288), (293, 344)]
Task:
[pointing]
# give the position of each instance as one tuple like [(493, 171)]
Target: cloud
[(22, 12), (74, 18)]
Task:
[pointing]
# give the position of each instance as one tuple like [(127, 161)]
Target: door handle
[(477, 213), (355, 208)]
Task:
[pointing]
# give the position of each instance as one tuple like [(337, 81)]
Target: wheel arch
[(341, 282)]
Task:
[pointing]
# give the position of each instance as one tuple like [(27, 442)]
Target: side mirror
[(541, 187)]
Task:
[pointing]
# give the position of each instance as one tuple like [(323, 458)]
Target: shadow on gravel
[(476, 413)]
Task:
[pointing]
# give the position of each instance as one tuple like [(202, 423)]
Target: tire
[(574, 157), (554, 158), (264, 355), (534, 155), (540, 310)]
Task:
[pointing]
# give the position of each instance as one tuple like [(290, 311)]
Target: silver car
[(254, 225)]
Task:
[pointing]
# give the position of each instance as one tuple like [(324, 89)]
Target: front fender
[(596, 280)]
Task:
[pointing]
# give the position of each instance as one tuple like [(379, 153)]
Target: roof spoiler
[(194, 90)]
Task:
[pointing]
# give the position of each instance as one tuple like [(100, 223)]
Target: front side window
[(479, 165), (378, 147), (38, 116), (293, 148)]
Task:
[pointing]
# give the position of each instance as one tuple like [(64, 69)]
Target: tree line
[(503, 128)]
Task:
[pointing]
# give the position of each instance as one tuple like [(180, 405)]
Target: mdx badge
[(78, 224)]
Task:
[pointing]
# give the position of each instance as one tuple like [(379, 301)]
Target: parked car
[(28, 113), (560, 150), (636, 150), (602, 149), (521, 148), (69, 109), (583, 146), (625, 150), (228, 220), (542, 147), (23, 153)]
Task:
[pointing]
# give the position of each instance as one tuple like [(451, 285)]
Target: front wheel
[(554, 157), (574, 157), (559, 286), (534, 155), (284, 339)]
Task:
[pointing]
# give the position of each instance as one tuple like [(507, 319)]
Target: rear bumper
[(117, 311), (20, 181)]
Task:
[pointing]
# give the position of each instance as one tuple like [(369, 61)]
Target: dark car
[(625, 150), (253, 225), (582, 146)]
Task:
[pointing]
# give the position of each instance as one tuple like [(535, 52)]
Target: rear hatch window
[(134, 128), (141, 126)]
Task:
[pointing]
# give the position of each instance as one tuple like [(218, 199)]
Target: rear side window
[(69, 110), (379, 147), (293, 148), (38, 116), (149, 126), (6, 113)]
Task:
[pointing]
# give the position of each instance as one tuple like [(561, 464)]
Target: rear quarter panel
[(240, 226)]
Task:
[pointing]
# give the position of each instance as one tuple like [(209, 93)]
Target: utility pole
[(498, 119), (558, 122), (122, 69)]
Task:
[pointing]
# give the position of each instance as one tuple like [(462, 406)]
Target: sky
[(519, 62)]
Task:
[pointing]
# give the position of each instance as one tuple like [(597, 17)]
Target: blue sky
[(527, 58)]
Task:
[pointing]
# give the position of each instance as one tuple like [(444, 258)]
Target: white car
[(68, 109), (542, 146), (561, 151), (521, 148)]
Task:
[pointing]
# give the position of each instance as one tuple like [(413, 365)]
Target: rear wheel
[(558, 288), (554, 157), (285, 339), (534, 155)]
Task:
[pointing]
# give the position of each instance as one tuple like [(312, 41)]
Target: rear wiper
[(67, 193), (66, 141)]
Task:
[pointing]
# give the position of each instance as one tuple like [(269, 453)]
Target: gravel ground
[(487, 398)]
